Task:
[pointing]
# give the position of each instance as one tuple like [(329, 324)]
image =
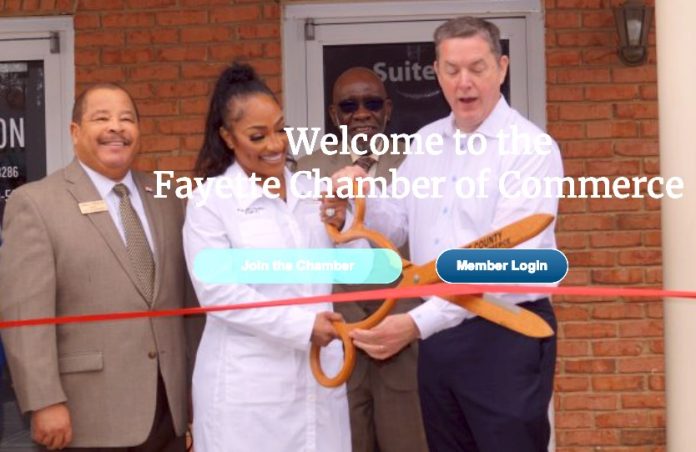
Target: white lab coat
[(252, 386)]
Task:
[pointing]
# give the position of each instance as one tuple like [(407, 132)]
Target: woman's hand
[(324, 331)]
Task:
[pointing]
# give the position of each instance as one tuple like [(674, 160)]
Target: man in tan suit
[(385, 411), (92, 239)]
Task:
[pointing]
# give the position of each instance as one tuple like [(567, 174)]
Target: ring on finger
[(330, 212)]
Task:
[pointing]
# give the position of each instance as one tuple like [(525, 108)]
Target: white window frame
[(59, 76)]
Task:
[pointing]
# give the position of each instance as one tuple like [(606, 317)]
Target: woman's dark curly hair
[(236, 82)]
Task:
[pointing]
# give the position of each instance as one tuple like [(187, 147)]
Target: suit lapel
[(82, 189), (156, 222)]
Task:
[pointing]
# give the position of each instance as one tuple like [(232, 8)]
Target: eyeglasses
[(373, 104)]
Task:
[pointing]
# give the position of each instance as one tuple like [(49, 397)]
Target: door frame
[(296, 16), (59, 81)]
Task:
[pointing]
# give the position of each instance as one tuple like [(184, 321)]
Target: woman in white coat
[(252, 386)]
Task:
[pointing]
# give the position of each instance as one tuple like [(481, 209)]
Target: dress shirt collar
[(490, 127), (105, 185)]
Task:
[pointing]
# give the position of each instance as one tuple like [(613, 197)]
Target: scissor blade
[(514, 233), (512, 317)]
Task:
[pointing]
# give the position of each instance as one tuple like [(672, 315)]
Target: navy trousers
[(486, 388)]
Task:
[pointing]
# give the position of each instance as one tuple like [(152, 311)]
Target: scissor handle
[(343, 330)]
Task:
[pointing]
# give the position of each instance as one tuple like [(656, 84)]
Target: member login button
[(502, 266)]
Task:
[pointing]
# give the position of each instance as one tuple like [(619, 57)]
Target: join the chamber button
[(502, 266)]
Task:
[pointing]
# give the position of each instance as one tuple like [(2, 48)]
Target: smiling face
[(470, 76), (107, 136), (360, 103), (254, 132)]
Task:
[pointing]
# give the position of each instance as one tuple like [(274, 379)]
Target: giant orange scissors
[(509, 316)]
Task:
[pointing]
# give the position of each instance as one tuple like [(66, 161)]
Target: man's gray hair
[(466, 27)]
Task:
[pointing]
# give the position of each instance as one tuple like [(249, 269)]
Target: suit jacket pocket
[(81, 362)]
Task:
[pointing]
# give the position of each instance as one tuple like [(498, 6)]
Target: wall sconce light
[(633, 23)]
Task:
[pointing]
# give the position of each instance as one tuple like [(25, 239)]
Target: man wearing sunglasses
[(385, 413)]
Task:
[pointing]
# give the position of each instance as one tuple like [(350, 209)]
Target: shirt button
[(152, 355)]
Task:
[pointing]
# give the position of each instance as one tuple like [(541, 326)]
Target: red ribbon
[(440, 289)]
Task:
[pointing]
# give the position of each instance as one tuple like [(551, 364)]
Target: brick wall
[(610, 372)]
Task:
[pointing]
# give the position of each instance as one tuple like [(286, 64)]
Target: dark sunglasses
[(371, 103)]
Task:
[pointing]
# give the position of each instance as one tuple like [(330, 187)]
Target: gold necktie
[(365, 162), (139, 252)]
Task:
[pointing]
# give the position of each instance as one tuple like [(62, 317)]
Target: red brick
[(657, 346), (144, 164), (583, 75), (587, 366), (198, 105), (651, 166), (99, 39), (86, 57), (574, 420), (585, 38), (563, 58), (192, 142), (649, 129), (577, 277), (231, 51), (127, 20), (637, 148), (201, 70), (591, 258), (571, 205), (616, 312), (599, 56), (579, 4), (614, 204), (618, 276), (157, 36), (98, 5), (581, 112), (207, 34), (586, 222), (640, 257), (139, 90), (642, 365), (626, 419), (182, 89), (652, 238), (589, 330), (653, 276), (234, 14), (621, 347), (158, 107), (589, 402), (638, 221), (634, 74), (563, 383), (145, 4), (177, 163), (593, 437), (656, 382), (562, 19), (258, 31), (573, 168), (566, 131), (126, 56), (154, 72), (607, 383), (189, 17), (643, 437), (86, 21), (643, 401), (184, 53), (570, 313), (564, 93), (615, 239), (648, 92), (598, 19), (611, 92), (98, 74), (641, 328), (178, 125), (572, 348), (159, 143), (613, 167), (594, 149), (612, 129), (643, 110)]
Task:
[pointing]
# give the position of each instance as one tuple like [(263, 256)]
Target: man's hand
[(323, 331), (337, 208), (388, 338), (346, 176), (51, 426)]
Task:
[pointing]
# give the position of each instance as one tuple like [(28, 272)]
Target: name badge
[(93, 207)]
